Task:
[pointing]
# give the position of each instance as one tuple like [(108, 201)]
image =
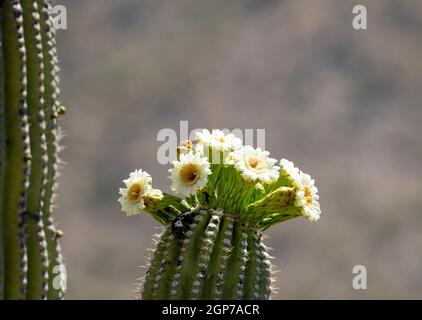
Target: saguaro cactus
[(212, 244), (30, 259)]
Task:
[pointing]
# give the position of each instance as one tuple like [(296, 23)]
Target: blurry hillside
[(344, 105)]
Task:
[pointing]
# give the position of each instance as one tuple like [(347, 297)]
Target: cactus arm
[(2, 156), (17, 151), (28, 151), (35, 237), (51, 111)]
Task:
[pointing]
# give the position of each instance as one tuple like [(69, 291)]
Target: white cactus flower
[(255, 164), (137, 186), (190, 174), (307, 197)]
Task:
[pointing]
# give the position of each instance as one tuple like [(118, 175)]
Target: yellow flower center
[(308, 195), (255, 163), (220, 139), (189, 174), (134, 192)]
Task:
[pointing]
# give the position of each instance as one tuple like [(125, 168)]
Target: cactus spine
[(212, 245), (29, 106)]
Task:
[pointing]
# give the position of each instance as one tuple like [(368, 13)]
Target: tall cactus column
[(212, 244), (30, 257)]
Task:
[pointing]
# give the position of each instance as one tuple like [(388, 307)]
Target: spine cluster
[(30, 257)]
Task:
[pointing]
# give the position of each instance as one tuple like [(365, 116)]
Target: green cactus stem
[(207, 254), (35, 240), (212, 244), (17, 150), (2, 160), (53, 109), (29, 249)]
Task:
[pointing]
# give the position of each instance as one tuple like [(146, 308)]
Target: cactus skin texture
[(30, 257), (207, 254)]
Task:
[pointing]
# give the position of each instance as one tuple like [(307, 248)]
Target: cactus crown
[(30, 257), (212, 245)]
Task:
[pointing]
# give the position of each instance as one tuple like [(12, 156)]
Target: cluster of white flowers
[(191, 171), (306, 192), (218, 140)]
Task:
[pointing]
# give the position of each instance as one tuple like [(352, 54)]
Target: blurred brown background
[(344, 105)]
